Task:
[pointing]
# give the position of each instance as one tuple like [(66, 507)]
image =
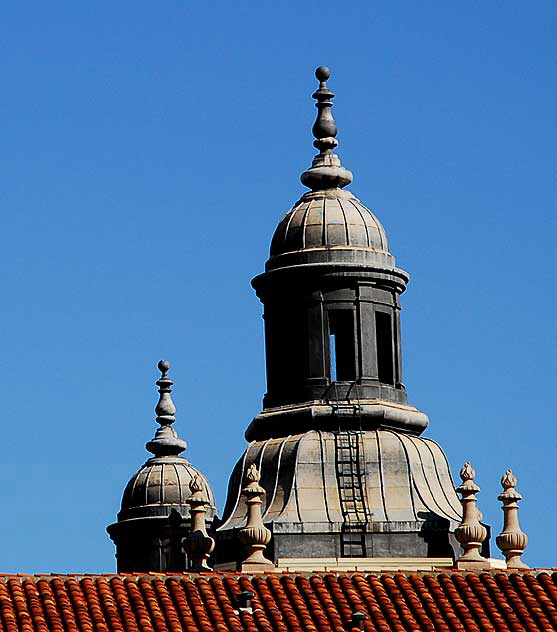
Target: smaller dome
[(324, 219), (163, 484), (329, 226)]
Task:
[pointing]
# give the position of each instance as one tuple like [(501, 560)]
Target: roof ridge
[(278, 574)]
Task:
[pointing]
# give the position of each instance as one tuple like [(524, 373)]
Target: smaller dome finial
[(166, 441), (325, 172)]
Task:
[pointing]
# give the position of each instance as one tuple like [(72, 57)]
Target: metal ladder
[(350, 470)]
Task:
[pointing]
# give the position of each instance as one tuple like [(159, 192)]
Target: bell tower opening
[(384, 341), (342, 349)]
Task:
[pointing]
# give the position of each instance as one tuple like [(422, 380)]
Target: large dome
[(388, 480)]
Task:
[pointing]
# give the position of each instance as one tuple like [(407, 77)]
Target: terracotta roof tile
[(449, 601)]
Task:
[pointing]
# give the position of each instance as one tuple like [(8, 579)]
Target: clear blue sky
[(147, 152)]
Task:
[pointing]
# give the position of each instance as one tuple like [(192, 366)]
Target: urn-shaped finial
[(199, 544), (470, 532), (512, 540), (254, 536)]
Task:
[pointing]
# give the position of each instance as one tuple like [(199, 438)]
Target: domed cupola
[(328, 224), (154, 516), (344, 466), (331, 295)]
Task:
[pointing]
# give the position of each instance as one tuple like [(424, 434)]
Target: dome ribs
[(322, 220)]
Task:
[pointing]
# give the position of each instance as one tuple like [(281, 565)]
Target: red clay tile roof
[(314, 602)]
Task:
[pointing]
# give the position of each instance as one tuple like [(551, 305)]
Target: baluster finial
[(325, 172), (166, 441), (199, 544), (470, 532), (254, 536), (512, 540)]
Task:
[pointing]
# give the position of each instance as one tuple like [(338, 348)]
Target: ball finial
[(323, 73), (163, 366)]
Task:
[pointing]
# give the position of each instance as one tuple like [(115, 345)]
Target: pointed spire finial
[(512, 540), (325, 172), (166, 441)]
